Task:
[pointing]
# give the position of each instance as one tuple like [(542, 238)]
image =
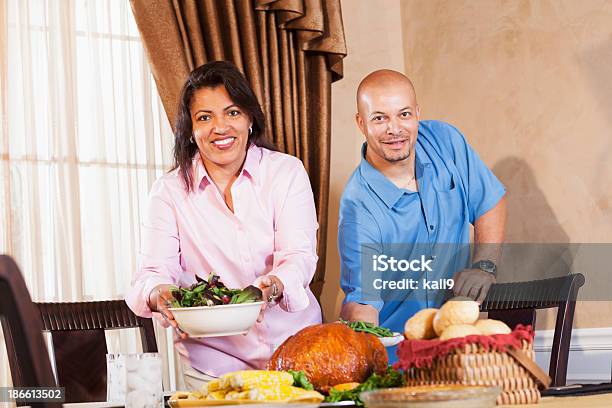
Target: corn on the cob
[(259, 385), (234, 395), (211, 386), (248, 379), (195, 395), (217, 395), (281, 392)]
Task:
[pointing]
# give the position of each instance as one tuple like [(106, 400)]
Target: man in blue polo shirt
[(418, 188)]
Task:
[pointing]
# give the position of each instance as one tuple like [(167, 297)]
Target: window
[(83, 136)]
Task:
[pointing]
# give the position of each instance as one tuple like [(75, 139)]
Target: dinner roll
[(458, 310), (492, 326), (458, 330), (420, 326)]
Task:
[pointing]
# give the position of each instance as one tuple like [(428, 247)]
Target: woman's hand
[(160, 300), (272, 289)]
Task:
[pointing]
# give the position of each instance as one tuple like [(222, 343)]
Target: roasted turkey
[(331, 354)]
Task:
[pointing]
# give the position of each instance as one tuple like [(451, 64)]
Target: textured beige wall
[(529, 83), (374, 40), (526, 81)]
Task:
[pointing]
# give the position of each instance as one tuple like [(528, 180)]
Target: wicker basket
[(474, 365)]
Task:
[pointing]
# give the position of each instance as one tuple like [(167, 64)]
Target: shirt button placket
[(243, 246)]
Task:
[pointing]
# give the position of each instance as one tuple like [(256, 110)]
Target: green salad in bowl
[(213, 292), (210, 309)]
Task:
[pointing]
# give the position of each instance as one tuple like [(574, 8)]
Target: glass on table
[(115, 378), (135, 379)]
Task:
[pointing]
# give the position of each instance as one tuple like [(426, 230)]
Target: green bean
[(368, 327)]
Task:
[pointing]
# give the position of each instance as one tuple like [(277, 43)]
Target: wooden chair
[(516, 303), (77, 330), (79, 343), (21, 325)]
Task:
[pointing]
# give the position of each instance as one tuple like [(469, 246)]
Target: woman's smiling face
[(220, 127)]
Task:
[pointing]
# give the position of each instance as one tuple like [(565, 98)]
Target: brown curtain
[(290, 51)]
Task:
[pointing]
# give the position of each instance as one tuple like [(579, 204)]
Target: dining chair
[(28, 357), (79, 342), (516, 303)]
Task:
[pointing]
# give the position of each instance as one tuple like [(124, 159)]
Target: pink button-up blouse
[(271, 231)]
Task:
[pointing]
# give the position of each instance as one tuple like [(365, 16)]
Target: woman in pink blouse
[(234, 206)]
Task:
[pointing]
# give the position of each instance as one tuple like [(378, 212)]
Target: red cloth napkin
[(420, 353)]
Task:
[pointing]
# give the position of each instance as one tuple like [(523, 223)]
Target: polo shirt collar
[(388, 192)]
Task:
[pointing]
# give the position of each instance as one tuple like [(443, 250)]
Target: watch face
[(487, 266)]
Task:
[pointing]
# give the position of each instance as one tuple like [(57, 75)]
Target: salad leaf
[(391, 379), (300, 380), (247, 295)]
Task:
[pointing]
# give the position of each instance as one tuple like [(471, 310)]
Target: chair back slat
[(540, 294), (106, 314)]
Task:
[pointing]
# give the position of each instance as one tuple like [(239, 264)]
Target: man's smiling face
[(388, 117)]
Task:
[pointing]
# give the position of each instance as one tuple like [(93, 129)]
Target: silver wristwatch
[(486, 265)]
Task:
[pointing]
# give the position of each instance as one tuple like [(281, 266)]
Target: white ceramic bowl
[(217, 321)]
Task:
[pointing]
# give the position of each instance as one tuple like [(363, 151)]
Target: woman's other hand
[(160, 300)]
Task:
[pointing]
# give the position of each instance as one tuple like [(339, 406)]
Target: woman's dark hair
[(211, 75)]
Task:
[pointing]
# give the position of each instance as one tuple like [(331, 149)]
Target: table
[(590, 401), (584, 401)]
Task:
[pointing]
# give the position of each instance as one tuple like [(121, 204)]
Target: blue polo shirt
[(378, 218)]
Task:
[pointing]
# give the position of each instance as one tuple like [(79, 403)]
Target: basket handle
[(530, 365)]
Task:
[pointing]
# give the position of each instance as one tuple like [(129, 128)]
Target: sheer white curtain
[(83, 137)]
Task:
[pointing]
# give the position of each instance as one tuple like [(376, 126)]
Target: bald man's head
[(381, 81), (388, 117)]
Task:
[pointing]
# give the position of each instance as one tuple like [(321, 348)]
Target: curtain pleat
[(248, 41), (290, 51)]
